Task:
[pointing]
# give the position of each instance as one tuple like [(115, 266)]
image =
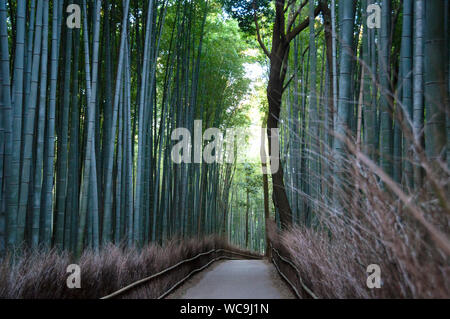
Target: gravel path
[(236, 279)]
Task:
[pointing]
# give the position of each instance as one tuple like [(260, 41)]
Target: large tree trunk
[(274, 93), (278, 66), (280, 49)]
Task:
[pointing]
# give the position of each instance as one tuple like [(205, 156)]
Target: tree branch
[(291, 2), (298, 69), (303, 56), (291, 35), (261, 43), (280, 21), (296, 14)]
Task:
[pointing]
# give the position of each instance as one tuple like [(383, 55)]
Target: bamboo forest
[(148, 138)]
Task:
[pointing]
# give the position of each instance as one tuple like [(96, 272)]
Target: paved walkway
[(239, 279)]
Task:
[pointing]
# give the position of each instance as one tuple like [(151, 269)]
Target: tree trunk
[(279, 192), (280, 49)]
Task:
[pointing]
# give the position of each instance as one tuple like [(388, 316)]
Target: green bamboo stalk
[(107, 214), (139, 196), (386, 132), (63, 218), (407, 85), (50, 140), (129, 153), (73, 175), (36, 231), (29, 127), (29, 56), (13, 186), (6, 113), (345, 94), (313, 113), (435, 81), (368, 108), (89, 168), (119, 167), (397, 146), (107, 107)]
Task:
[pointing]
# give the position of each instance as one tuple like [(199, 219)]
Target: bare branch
[(303, 54), (296, 14), (302, 26), (290, 3), (260, 41)]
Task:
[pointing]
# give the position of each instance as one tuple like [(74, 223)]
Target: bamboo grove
[(359, 91), (346, 75), (383, 90), (87, 115)]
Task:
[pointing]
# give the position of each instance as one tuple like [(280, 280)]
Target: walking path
[(237, 279)]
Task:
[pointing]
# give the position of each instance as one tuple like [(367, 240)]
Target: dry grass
[(42, 275), (406, 232), (337, 268)]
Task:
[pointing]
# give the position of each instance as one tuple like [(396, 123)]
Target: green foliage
[(244, 12)]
